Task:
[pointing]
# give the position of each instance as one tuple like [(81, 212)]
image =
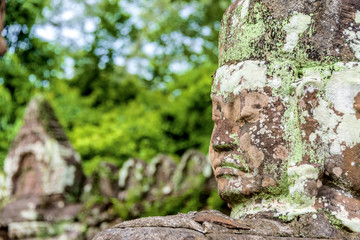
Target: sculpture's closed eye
[(249, 114)]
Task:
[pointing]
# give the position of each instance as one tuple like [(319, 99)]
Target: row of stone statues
[(45, 185)]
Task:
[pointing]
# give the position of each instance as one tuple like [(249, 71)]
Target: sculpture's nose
[(223, 137)]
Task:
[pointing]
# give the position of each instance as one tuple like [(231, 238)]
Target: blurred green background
[(126, 78)]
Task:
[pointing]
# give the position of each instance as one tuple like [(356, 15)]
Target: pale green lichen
[(357, 17), (297, 25), (29, 214), (342, 215), (63, 174), (241, 160), (353, 39), (244, 32), (312, 81), (280, 206), (245, 8), (235, 137), (29, 229), (348, 130), (124, 172), (292, 131), (299, 176), (4, 193), (343, 87), (339, 92), (56, 173), (280, 201), (235, 78)]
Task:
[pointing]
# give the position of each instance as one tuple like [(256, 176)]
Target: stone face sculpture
[(2, 22), (286, 103)]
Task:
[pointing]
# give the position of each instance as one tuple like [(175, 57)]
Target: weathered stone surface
[(133, 179), (193, 166), (214, 225), (178, 221), (107, 180), (2, 21), (46, 230), (34, 208), (3, 190), (160, 173), (20, 230), (254, 29), (41, 161), (151, 233), (43, 172)]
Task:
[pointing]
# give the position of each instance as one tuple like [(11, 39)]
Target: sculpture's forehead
[(233, 78)]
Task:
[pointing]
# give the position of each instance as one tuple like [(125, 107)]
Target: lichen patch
[(357, 17), (298, 24), (236, 77), (245, 8)]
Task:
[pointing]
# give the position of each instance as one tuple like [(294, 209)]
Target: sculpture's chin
[(235, 189)]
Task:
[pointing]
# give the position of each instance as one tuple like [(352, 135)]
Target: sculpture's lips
[(227, 171), (229, 167)]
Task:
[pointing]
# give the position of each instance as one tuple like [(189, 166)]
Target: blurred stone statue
[(2, 22), (285, 149), (43, 175)]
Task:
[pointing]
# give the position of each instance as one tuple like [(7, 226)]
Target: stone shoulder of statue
[(215, 225)]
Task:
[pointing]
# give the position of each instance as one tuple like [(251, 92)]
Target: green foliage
[(29, 66), (109, 112), (143, 123), (215, 202)]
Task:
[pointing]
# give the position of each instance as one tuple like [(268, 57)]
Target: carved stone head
[(2, 22), (248, 148), (286, 108)]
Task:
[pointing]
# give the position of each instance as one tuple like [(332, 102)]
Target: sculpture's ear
[(2, 22)]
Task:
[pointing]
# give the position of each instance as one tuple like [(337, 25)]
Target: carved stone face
[(286, 107), (247, 150), (250, 149), (309, 138)]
